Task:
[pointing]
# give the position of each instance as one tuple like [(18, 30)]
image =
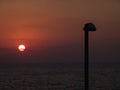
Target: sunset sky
[(53, 29)]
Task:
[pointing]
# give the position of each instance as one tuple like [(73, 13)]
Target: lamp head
[(89, 27)]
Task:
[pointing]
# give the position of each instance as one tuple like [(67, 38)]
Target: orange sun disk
[(21, 47)]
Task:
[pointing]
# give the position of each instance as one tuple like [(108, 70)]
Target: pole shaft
[(86, 62)]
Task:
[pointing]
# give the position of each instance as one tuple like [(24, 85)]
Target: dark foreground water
[(58, 76)]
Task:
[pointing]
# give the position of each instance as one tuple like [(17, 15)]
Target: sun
[(21, 47)]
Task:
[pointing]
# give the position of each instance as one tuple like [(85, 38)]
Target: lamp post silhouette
[(88, 27)]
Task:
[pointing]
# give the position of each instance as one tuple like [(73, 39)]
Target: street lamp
[(88, 27)]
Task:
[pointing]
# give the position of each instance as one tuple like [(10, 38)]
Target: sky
[(52, 30)]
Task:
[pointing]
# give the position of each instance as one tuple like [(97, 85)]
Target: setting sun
[(21, 47)]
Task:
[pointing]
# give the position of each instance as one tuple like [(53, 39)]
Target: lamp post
[(88, 27)]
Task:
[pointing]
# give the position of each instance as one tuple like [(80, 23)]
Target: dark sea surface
[(58, 76)]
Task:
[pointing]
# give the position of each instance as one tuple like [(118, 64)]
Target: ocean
[(58, 76)]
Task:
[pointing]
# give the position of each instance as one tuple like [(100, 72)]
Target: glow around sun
[(21, 47)]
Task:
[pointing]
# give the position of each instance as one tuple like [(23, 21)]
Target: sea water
[(58, 76)]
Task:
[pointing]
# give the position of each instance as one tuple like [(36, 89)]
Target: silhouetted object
[(88, 27)]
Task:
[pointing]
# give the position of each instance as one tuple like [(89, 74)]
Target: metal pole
[(88, 27), (86, 62)]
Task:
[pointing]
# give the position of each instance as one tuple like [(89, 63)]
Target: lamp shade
[(89, 27)]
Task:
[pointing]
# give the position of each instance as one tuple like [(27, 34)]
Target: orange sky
[(40, 22), (56, 19)]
